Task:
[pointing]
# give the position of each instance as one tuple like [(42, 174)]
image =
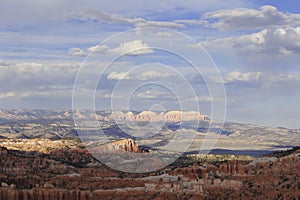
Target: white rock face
[(3, 184), (117, 147), (149, 116)]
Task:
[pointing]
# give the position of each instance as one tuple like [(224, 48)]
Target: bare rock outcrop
[(149, 116), (124, 145)]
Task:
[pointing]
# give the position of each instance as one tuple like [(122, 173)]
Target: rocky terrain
[(73, 173), (42, 157), (57, 124), (39, 145)]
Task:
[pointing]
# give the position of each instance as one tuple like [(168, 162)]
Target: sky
[(233, 58)]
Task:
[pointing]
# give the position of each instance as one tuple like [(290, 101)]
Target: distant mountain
[(57, 124), (11, 115), (280, 154), (143, 116)]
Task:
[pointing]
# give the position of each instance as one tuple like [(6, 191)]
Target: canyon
[(44, 157), (71, 172)]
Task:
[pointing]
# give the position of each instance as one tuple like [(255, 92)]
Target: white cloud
[(7, 95), (140, 7), (36, 76), (247, 19), (199, 99), (98, 49), (282, 82), (46, 93), (162, 24), (192, 21), (149, 94), (106, 94), (133, 48), (118, 76), (90, 14), (96, 15), (155, 94), (34, 11), (242, 77), (33, 67), (4, 63), (164, 34), (76, 52), (282, 41), (139, 75), (150, 75)]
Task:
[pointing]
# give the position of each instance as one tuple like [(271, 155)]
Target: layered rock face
[(176, 116), (120, 146), (126, 145), (148, 116)]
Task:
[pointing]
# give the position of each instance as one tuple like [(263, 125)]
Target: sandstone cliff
[(149, 116), (124, 145)]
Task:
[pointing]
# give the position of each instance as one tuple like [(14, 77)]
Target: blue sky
[(254, 44)]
